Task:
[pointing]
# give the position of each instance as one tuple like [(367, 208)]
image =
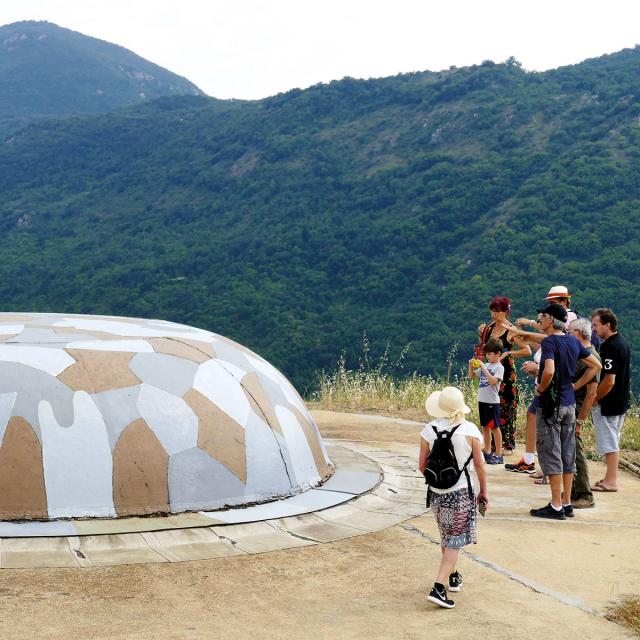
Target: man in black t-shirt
[(613, 395)]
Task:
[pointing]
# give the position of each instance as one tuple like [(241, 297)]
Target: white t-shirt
[(461, 448), (489, 393)]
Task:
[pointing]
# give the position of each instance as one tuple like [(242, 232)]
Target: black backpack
[(442, 470)]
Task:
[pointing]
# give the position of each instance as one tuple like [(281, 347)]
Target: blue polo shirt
[(565, 351)]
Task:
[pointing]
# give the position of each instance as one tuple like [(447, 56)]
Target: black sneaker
[(568, 511), (455, 581), (438, 595), (548, 512)]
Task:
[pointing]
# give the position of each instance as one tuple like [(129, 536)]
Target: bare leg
[(610, 480), (555, 480), (447, 565), (487, 439), (497, 438), (530, 433), (567, 481)]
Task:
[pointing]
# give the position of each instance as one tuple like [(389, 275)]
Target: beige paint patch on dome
[(140, 472), (22, 488), (203, 347), (7, 337), (253, 390), (11, 317), (313, 438), (179, 348), (219, 434), (96, 371)]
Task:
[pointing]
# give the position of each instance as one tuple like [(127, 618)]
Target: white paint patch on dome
[(133, 329), (170, 417), (263, 367), (304, 466), (237, 372), (51, 361), (7, 400), (128, 346), (214, 382), (82, 446), (10, 329)]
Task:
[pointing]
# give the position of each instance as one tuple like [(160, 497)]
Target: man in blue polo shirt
[(555, 415), (613, 396)]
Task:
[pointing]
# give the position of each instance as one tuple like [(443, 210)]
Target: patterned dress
[(508, 390)]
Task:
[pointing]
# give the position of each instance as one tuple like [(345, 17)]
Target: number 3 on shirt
[(608, 364)]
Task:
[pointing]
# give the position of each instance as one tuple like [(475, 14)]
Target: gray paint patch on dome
[(44, 338), (169, 373), (195, 478), (272, 390), (265, 463), (169, 417), (118, 406), (32, 386), (233, 355)]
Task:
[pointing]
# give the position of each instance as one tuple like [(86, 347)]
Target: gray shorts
[(556, 441), (608, 430)]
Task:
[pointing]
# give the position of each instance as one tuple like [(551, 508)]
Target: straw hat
[(558, 292), (446, 403)]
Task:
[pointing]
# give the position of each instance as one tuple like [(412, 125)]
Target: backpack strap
[(444, 433), (466, 472)]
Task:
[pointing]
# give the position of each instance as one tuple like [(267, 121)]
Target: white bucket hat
[(446, 403)]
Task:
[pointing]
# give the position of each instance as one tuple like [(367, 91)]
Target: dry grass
[(374, 390), (627, 613)]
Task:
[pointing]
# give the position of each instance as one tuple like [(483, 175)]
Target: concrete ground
[(526, 576)]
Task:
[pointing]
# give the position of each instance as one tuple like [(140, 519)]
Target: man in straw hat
[(455, 506)]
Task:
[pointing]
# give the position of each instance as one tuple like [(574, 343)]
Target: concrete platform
[(371, 489)]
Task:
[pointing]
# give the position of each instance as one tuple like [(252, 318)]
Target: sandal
[(542, 480)]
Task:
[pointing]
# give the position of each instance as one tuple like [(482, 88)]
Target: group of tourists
[(581, 368)]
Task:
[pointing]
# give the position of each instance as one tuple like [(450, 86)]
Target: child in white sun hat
[(454, 506)]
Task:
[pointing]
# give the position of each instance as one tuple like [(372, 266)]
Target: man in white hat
[(558, 294)]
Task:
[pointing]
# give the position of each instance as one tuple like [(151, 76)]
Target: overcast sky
[(256, 48)]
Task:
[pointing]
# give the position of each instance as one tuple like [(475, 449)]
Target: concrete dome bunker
[(113, 417)]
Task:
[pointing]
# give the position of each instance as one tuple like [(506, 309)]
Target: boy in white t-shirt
[(491, 375)]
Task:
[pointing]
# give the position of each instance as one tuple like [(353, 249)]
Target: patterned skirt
[(456, 517)]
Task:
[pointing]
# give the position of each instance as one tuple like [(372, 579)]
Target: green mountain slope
[(46, 71), (395, 207)]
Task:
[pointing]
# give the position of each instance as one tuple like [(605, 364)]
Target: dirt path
[(546, 577)]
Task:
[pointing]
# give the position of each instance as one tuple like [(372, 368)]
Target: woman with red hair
[(500, 309)]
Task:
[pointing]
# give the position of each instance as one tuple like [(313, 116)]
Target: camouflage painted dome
[(106, 416)]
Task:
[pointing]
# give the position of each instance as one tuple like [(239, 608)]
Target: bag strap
[(444, 433)]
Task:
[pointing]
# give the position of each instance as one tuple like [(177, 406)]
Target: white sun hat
[(446, 403), (558, 292)]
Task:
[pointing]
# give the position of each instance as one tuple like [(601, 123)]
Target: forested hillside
[(47, 71), (393, 207)]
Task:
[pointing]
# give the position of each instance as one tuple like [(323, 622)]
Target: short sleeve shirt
[(616, 359), (581, 393), (565, 351), (489, 393), (461, 447)]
